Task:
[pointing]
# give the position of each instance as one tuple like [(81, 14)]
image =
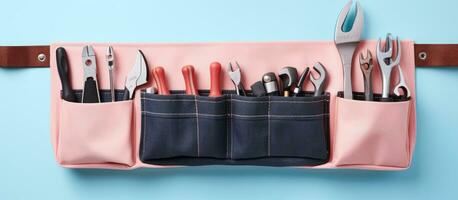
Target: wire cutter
[(136, 77), (91, 88), (236, 77)]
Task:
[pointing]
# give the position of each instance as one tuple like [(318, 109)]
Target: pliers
[(136, 77), (236, 77), (91, 88)]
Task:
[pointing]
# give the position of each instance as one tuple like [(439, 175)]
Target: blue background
[(28, 169)]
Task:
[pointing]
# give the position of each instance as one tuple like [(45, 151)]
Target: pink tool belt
[(153, 131)]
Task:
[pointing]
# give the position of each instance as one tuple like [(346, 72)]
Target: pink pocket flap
[(372, 133), (98, 133)]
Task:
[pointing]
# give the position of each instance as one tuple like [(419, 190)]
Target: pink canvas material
[(255, 59), (87, 138)]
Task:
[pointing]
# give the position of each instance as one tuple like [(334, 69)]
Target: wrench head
[(354, 35), (387, 54), (319, 68), (288, 75), (365, 60)]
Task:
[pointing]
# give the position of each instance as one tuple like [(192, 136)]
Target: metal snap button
[(41, 57), (422, 55)]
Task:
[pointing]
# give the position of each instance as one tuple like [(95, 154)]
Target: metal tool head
[(319, 82), (138, 75), (89, 63), (319, 68), (387, 53), (235, 74), (366, 61), (288, 75), (354, 35), (401, 85), (109, 56)]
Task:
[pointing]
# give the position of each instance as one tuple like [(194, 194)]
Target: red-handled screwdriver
[(190, 79), (215, 75), (161, 81)]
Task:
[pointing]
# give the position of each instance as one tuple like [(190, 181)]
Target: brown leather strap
[(24, 56), (426, 55), (436, 55)]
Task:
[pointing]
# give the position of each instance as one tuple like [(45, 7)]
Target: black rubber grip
[(90, 92), (64, 74)]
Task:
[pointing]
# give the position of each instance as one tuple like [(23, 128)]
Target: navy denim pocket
[(249, 127), (169, 126), (298, 127), (212, 127)]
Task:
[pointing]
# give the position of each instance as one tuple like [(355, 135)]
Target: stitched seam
[(197, 127), (183, 114), (236, 115), (268, 128), (286, 101), (144, 129), (227, 132), (232, 130), (290, 116), (184, 100)]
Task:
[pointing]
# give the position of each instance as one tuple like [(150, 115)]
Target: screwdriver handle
[(190, 80), (159, 74), (64, 74), (215, 77)]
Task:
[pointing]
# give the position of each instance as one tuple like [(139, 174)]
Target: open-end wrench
[(386, 67), (320, 82), (367, 66), (346, 43)]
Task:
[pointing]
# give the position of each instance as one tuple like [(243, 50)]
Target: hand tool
[(401, 85), (367, 65), (109, 57), (288, 76), (64, 74), (236, 78), (320, 82), (91, 88), (258, 89), (298, 88), (346, 43), (215, 76), (386, 68), (190, 80), (137, 76), (270, 83), (153, 89), (161, 81)]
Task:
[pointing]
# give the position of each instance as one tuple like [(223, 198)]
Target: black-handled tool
[(91, 89), (64, 74), (300, 83)]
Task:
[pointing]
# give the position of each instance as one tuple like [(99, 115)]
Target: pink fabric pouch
[(362, 135)]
